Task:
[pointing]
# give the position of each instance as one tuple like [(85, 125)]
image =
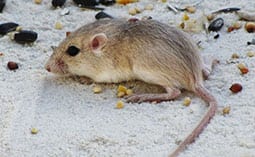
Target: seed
[(216, 25), (84, 3), (121, 94), (12, 65), (38, 1), (149, 7), (226, 110), (182, 25), (132, 11), (250, 54), (58, 25), (237, 25), (191, 9), (68, 33), (210, 17), (185, 17), (236, 87), (250, 27), (241, 66), (58, 3), (138, 9), (186, 101), (244, 70), (8, 27), (164, 1), (34, 131), (235, 56), (2, 4), (122, 88), (25, 36), (125, 1), (129, 92), (119, 105), (107, 2), (102, 15), (97, 89)]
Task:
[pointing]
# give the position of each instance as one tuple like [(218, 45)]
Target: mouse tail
[(209, 98)]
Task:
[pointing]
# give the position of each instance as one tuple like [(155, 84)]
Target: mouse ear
[(97, 42)]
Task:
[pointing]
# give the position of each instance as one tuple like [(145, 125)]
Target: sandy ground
[(73, 121)]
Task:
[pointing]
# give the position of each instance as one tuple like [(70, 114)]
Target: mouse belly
[(113, 77)]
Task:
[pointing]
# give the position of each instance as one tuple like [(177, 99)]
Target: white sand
[(73, 121)]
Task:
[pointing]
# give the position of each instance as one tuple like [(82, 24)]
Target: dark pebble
[(58, 3), (2, 4), (12, 65), (25, 36), (85, 3), (107, 2), (102, 15), (216, 25), (8, 27)]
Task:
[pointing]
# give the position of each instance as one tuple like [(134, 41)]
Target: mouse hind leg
[(171, 94)]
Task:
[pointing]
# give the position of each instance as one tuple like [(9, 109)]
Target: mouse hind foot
[(139, 98), (208, 65)]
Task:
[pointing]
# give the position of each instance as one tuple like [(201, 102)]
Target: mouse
[(117, 50)]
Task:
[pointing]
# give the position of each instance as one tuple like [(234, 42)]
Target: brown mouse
[(116, 50)]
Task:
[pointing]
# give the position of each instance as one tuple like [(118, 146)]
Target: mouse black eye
[(72, 51)]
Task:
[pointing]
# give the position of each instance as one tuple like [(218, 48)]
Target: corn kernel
[(119, 105), (187, 101), (97, 89), (34, 131)]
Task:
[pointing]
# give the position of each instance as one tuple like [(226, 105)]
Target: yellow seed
[(38, 1), (235, 56), (138, 10), (250, 54), (182, 25), (191, 9), (237, 25), (149, 7), (164, 1), (185, 17), (121, 94), (129, 92), (58, 25), (241, 66), (119, 105), (210, 17), (187, 101), (122, 88), (132, 11), (19, 28), (97, 89), (34, 131), (226, 110)]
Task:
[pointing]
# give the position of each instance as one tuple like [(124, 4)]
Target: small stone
[(38, 1), (236, 87), (34, 131), (97, 89), (149, 7), (12, 65), (226, 110), (119, 105), (186, 101), (58, 26), (65, 11)]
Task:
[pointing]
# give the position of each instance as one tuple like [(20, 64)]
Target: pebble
[(58, 3), (25, 36), (8, 27), (216, 25), (65, 11), (12, 65)]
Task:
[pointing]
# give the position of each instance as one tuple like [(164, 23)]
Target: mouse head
[(78, 55)]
